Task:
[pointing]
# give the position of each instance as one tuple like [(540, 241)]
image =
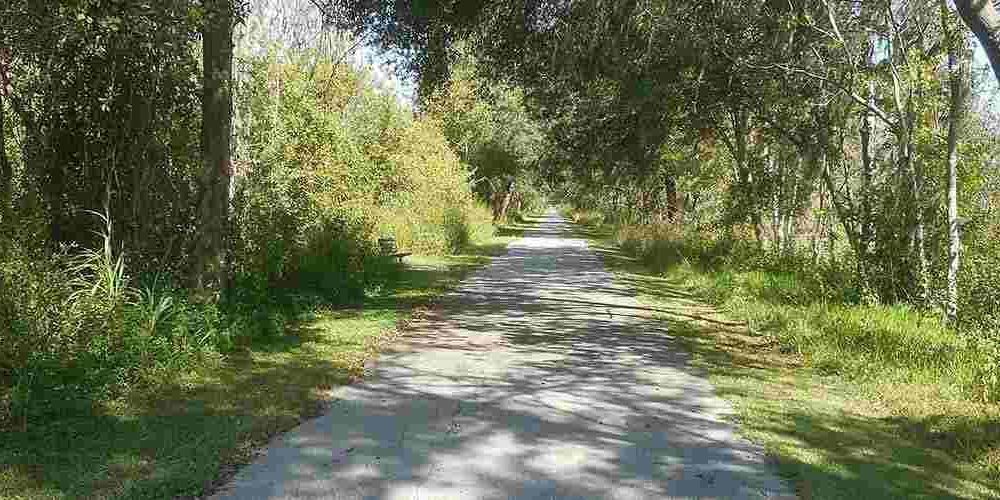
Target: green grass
[(193, 430), (851, 402)]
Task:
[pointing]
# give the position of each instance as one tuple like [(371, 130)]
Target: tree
[(983, 18), (6, 169), (217, 170), (958, 86), (844, 97)]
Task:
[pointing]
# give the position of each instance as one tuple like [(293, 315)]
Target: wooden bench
[(387, 246)]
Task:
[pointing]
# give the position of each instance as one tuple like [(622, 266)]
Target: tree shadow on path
[(539, 378)]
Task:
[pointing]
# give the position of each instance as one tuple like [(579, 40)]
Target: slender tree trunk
[(745, 180), (903, 97), (954, 238), (506, 205), (845, 214), (791, 212), (820, 226), (673, 208), (772, 171), (6, 170), (916, 173), (866, 229), (923, 271), (958, 62), (217, 171)]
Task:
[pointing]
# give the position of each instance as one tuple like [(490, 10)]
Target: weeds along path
[(537, 378)]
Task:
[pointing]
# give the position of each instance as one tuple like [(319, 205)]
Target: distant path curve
[(539, 377)]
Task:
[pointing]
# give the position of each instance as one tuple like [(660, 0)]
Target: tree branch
[(982, 17)]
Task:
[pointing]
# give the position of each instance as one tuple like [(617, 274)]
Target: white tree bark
[(958, 62), (866, 228)]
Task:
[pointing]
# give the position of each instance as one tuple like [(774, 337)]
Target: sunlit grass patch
[(843, 432)]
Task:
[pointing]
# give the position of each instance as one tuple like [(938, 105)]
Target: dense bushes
[(78, 328), (979, 279), (326, 165), (490, 128), (331, 170)]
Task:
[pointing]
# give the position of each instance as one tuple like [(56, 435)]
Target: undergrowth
[(813, 310), (853, 400), (187, 427)]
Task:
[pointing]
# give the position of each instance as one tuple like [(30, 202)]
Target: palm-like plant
[(100, 273)]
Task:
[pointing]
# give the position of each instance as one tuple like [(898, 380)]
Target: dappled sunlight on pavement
[(539, 377)]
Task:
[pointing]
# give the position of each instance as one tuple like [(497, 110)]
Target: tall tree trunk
[(772, 169), (903, 97), (791, 212), (673, 200), (954, 238), (819, 228), (745, 180), (923, 268), (907, 166), (217, 171), (866, 226), (6, 170), (983, 18), (958, 70)]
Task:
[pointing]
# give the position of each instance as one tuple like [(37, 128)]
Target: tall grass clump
[(811, 309), (78, 329)]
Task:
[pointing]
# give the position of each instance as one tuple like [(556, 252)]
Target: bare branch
[(882, 115), (836, 30)]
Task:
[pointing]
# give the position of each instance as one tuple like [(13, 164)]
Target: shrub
[(979, 280), (456, 230), (335, 170), (76, 329)]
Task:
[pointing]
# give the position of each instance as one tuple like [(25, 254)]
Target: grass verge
[(839, 421), (189, 433)]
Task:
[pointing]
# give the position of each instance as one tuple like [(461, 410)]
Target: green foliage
[(920, 438), (106, 97), (489, 126), (76, 330), (980, 280), (331, 170), (326, 165), (812, 311), (172, 439)]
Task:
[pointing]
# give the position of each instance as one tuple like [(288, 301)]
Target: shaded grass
[(191, 430), (852, 402)]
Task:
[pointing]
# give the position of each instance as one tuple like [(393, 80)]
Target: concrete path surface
[(539, 377)]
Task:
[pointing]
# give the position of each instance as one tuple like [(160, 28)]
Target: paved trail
[(538, 378)]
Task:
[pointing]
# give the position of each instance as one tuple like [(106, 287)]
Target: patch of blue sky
[(283, 25)]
